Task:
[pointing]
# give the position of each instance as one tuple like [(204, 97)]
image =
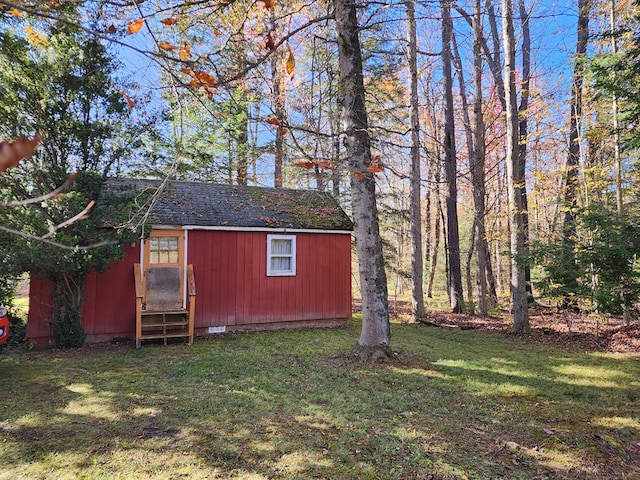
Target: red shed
[(260, 258)]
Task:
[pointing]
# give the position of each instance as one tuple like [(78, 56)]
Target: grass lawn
[(292, 405)]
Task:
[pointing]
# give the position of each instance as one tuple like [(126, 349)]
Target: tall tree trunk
[(376, 332), (524, 134), (518, 282), (614, 115), (483, 257), (455, 274), (466, 120), (435, 245), (573, 158), (417, 262), (278, 99), (242, 137)]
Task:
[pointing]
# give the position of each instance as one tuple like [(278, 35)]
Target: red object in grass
[(4, 327)]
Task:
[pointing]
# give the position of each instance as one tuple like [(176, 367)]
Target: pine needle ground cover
[(292, 405)]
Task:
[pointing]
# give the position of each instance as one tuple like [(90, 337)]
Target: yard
[(454, 404)]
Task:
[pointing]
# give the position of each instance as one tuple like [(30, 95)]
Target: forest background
[(502, 136)]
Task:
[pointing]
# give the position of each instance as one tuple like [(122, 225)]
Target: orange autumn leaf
[(135, 26), (12, 152), (16, 13), (375, 166), (185, 52), (130, 102), (283, 131), (291, 63), (217, 32), (304, 164), (272, 121), (326, 165), (206, 79), (268, 4), (167, 46), (358, 174), (169, 21), (187, 71)]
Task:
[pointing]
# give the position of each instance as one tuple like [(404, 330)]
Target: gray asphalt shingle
[(209, 204)]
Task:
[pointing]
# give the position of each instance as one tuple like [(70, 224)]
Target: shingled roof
[(210, 204)]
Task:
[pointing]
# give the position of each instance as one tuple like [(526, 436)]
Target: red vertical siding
[(231, 283), (40, 308), (234, 290), (108, 309)]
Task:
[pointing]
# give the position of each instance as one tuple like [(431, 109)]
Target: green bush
[(597, 269), (17, 330)]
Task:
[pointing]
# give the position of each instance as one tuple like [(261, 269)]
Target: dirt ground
[(571, 330)]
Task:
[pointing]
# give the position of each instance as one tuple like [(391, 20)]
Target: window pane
[(164, 244), (173, 256), (153, 243), (153, 257), (280, 264), (281, 247), (173, 243)]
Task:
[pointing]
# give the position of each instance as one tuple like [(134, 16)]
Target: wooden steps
[(164, 324)]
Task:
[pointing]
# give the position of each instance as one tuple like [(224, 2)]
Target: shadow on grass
[(284, 405)]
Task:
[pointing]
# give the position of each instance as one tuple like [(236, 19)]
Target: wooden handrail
[(191, 281), (138, 279)]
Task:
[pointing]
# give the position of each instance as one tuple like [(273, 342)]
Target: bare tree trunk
[(242, 137), (472, 242), (376, 332), (335, 144), (573, 158), (518, 283), (417, 262), (455, 274), (483, 258), (277, 80), (433, 260), (524, 134), (457, 61)]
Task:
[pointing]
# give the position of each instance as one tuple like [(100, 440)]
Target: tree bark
[(376, 332), (417, 262), (523, 127), (453, 251), (432, 257), (483, 258), (573, 157), (518, 282), (278, 100)]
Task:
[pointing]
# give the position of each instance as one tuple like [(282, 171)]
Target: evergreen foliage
[(57, 80), (618, 74), (601, 275)]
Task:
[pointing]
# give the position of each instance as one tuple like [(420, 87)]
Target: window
[(163, 250), (281, 255)]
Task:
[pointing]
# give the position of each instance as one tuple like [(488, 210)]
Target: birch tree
[(376, 333)]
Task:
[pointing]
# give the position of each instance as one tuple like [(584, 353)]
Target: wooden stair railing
[(159, 314)]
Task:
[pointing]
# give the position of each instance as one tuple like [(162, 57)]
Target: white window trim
[(281, 273)]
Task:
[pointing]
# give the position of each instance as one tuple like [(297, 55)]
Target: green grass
[(292, 405)]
